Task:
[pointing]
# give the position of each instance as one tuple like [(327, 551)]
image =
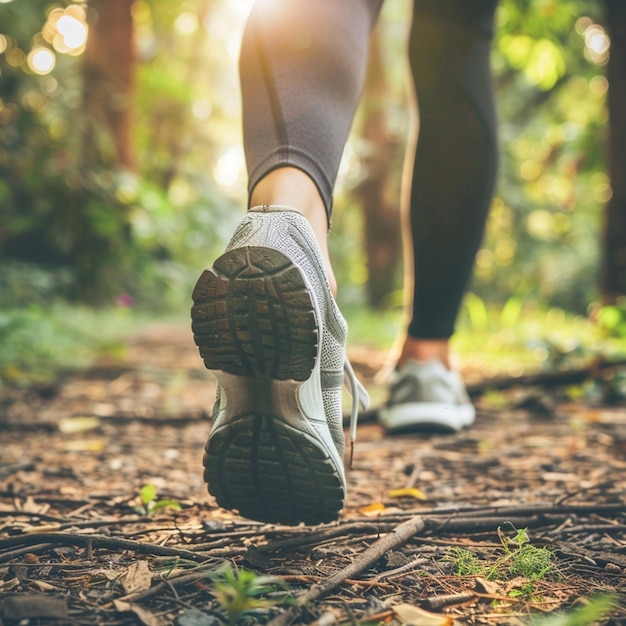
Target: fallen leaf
[(84, 445), (372, 510), (70, 425), (104, 574), (395, 558), (411, 492), (411, 615), (137, 577), (488, 586), (146, 617)]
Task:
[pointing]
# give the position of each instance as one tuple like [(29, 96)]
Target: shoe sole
[(255, 324), (426, 417)]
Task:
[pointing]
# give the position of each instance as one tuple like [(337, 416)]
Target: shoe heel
[(268, 471)]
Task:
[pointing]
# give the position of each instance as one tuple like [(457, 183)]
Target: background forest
[(122, 173)]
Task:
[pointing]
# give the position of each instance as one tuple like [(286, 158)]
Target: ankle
[(425, 350), (289, 186)]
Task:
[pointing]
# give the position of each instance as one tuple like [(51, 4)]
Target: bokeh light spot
[(597, 44), (14, 57), (74, 32), (229, 167), (41, 60), (186, 24)]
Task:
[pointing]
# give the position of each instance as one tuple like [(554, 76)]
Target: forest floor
[(518, 519)]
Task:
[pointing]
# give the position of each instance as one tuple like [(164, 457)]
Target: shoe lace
[(360, 397)]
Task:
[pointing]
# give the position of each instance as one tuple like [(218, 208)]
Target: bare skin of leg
[(291, 187), (425, 350)]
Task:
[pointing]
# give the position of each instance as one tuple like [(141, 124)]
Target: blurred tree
[(109, 77), (84, 212), (376, 193), (61, 209), (614, 253)]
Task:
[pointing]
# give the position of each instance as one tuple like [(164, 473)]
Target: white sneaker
[(425, 395), (265, 320)]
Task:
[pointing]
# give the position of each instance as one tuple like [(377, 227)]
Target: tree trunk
[(382, 236), (614, 270), (109, 78)]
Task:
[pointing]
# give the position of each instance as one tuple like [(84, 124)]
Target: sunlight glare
[(229, 167), (242, 7)]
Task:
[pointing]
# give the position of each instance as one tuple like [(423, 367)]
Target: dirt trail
[(74, 543)]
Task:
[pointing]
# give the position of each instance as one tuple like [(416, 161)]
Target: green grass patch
[(517, 558), (513, 339)]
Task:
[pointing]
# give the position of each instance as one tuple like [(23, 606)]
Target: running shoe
[(426, 395), (266, 323)]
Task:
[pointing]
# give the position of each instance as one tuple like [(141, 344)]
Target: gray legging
[(302, 68)]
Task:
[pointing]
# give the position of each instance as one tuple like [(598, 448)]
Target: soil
[(537, 475)]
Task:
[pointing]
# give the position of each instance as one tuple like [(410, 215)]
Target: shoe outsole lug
[(253, 316), (283, 477)]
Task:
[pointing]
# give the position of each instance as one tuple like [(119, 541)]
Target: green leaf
[(147, 494), (165, 504)]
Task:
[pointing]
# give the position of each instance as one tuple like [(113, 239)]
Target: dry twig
[(400, 535)]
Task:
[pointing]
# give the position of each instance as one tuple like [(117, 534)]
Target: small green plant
[(242, 592), (523, 558), (520, 558), (464, 563), (150, 504)]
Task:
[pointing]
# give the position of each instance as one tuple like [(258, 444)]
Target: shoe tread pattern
[(270, 472), (253, 316)]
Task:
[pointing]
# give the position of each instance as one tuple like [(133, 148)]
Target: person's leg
[(453, 176), (302, 69), (264, 317), (455, 163)]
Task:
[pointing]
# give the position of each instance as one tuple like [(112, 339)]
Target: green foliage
[(544, 233), (244, 594), (150, 503), (611, 319), (59, 207), (67, 206), (43, 338)]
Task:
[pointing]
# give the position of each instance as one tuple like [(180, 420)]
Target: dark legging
[(302, 68)]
